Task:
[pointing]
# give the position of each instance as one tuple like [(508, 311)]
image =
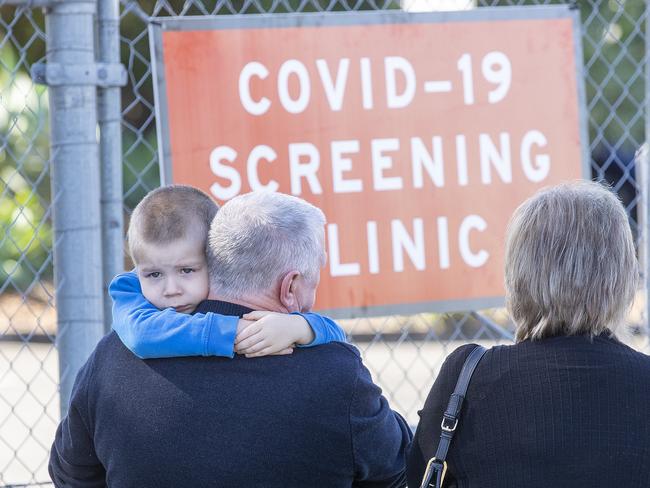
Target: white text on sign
[(398, 71), (432, 160)]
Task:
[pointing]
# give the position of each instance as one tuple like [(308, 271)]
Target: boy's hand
[(271, 333), (242, 325)]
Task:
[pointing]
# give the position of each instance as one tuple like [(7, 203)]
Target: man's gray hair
[(256, 238), (570, 265)]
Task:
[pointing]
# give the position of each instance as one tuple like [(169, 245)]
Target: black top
[(313, 418), (561, 412)]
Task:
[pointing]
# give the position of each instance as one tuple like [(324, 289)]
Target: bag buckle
[(447, 424), (435, 473)]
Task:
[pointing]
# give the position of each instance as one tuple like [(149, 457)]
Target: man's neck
[(222, 307), (254, 303)]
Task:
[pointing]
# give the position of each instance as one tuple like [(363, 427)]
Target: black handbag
[(434, 475)]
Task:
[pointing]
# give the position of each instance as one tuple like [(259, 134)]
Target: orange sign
[(416, 134)]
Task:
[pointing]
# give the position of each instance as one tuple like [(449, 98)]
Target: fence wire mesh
[(403, 353), (29, 401)]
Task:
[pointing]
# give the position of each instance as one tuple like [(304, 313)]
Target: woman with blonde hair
[(568, 405)]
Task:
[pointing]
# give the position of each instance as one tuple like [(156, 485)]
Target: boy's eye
[(153, 274), (187, 270)]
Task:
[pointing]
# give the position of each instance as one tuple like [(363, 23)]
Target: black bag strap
[(437, 465)]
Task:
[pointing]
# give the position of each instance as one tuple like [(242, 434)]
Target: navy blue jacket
[(313, 418), (564, 412)]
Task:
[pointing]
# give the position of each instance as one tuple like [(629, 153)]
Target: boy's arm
[(324, 328), (152, 333), (273, 332)]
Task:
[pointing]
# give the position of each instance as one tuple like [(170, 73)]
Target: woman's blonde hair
[(570, 265)]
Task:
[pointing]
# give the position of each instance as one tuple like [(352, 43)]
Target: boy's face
[(175, 274)]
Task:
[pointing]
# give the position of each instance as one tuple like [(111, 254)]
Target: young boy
[(167, 238)]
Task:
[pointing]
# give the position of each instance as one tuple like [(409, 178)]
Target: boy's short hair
[(170, 213)]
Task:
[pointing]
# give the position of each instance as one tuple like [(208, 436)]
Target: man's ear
[(288, 296)]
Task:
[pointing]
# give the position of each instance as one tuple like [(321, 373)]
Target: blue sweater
[(310, 419), (152, 333)]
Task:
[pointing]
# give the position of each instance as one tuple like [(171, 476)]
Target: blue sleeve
[(325, 329), (152, 333), (380, 437)]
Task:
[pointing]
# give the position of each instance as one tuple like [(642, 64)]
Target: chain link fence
[(29, 400), (403, 352)]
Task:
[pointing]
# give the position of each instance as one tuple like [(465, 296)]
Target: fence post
[(75, 186), (110, 111)]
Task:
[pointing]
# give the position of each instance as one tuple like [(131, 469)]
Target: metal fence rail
[(403, 352)]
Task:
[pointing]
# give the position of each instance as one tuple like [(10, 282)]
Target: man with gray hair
[(261, 241), (310, 419)]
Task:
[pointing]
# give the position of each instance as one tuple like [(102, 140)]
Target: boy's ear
[(288, 291)]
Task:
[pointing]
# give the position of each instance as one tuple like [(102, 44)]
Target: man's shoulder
[(110, 341), (338, 361), (339, 349), (108, 352), (110, 348)]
